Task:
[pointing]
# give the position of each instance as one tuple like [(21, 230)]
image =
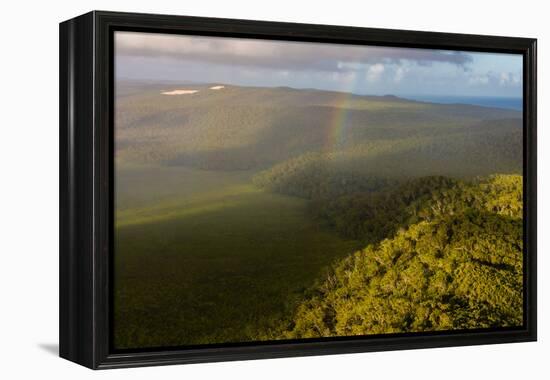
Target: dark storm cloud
[(275, 54)]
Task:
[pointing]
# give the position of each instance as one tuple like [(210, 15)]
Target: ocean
[(485, 101)]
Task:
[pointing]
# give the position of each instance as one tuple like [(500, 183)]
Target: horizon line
[(398, 95)]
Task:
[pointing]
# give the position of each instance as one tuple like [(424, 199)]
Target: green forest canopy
[(455, 263)]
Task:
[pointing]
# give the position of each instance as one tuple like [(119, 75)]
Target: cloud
[(375, 72), (477, 80), (400, 73), (509, 79), (275, 54), (494, 79)]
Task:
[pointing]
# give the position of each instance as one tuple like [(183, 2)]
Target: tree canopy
[(455, 264)]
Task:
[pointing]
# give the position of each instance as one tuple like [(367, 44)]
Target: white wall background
[(29, 187)]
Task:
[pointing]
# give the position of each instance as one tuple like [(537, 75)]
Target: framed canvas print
[(237, 189)]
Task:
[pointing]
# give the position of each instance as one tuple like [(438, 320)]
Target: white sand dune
[(217, 87), (179, 92)]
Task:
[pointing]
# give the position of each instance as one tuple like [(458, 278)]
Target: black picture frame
[(86, 185)]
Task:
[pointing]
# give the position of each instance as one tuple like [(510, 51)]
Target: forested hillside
[(453, 260), (247, 128)]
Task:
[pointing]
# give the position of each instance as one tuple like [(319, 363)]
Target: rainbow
[(336, 132)]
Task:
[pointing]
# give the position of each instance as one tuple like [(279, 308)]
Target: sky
[(350, 68)]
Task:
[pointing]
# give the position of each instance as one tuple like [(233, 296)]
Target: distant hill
[(251, 128)]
